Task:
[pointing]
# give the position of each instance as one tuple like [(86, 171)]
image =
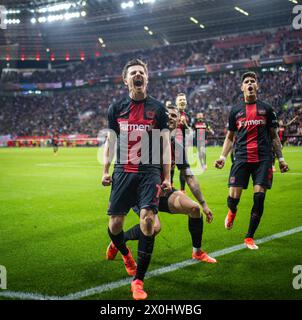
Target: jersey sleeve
[(112, 122), (162, 118), (232, 121), (272, 120)]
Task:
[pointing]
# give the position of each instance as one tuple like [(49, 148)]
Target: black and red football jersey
[(130, 120), (252, 123), (201, 128)]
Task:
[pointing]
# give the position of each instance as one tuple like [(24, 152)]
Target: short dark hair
[(134, 62), (180, 94), (172, 107), (250, 74)]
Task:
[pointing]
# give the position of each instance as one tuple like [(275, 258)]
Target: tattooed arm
[(278, 149), (196, 191)]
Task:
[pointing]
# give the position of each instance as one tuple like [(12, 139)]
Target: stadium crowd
[(265, 44), (84, 110)]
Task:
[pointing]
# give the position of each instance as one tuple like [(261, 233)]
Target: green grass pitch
[(53, 232)]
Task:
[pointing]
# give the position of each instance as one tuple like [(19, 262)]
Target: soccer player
[(135, 182), (181, 103), (175, 202), (255, 125), (201, 128), (55, 143)]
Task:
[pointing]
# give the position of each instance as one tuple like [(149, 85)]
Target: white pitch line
[(157, 272), (27, 296), (173, 267)]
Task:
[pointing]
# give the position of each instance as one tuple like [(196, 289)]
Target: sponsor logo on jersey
[(255, 122), (125, 126)]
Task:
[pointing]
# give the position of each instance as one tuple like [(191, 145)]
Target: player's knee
[(258, 206), (233, 203), (116, 224), (195, 211), (147, 224)]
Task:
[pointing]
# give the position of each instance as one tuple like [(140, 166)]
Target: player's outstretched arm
[(227, 147), (278, 149), (196, 191), (108, 157), (291, 121)]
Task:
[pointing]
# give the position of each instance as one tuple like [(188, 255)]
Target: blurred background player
[(55, 143), (176, 202), (135, 182), (181, 104), (201, 128), (255, 125)]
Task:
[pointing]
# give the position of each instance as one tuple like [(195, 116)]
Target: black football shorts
[(130, 189), (163, 203), (261, 172)]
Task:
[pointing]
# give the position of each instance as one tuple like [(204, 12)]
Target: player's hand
[(283, 166), (166, 186), (208, 213), (219, 164), (106, 180)]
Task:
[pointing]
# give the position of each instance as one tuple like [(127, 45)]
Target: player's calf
[(256, 213)]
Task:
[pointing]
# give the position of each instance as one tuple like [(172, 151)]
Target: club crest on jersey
[(232, 179), (150, 114)]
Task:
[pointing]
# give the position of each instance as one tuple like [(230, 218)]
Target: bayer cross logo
[(2, 17)]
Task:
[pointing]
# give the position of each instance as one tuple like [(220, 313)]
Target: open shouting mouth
[(138, 83)]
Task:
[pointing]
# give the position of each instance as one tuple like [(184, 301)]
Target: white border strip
[(157, 272)]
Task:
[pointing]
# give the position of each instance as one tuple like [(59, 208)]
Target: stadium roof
[(123, 29)]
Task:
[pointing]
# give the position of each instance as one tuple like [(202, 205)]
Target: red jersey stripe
[(252, 134)]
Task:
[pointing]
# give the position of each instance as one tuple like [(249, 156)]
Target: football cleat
[(137, 288), (130, 264), (250, 243), (111, 251), (203, 256), (229, 220)]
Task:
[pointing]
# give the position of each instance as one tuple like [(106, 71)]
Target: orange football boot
[(137, 288), (229, 220), (130, 264), (111, 251), (250, 243), (203, 256)]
